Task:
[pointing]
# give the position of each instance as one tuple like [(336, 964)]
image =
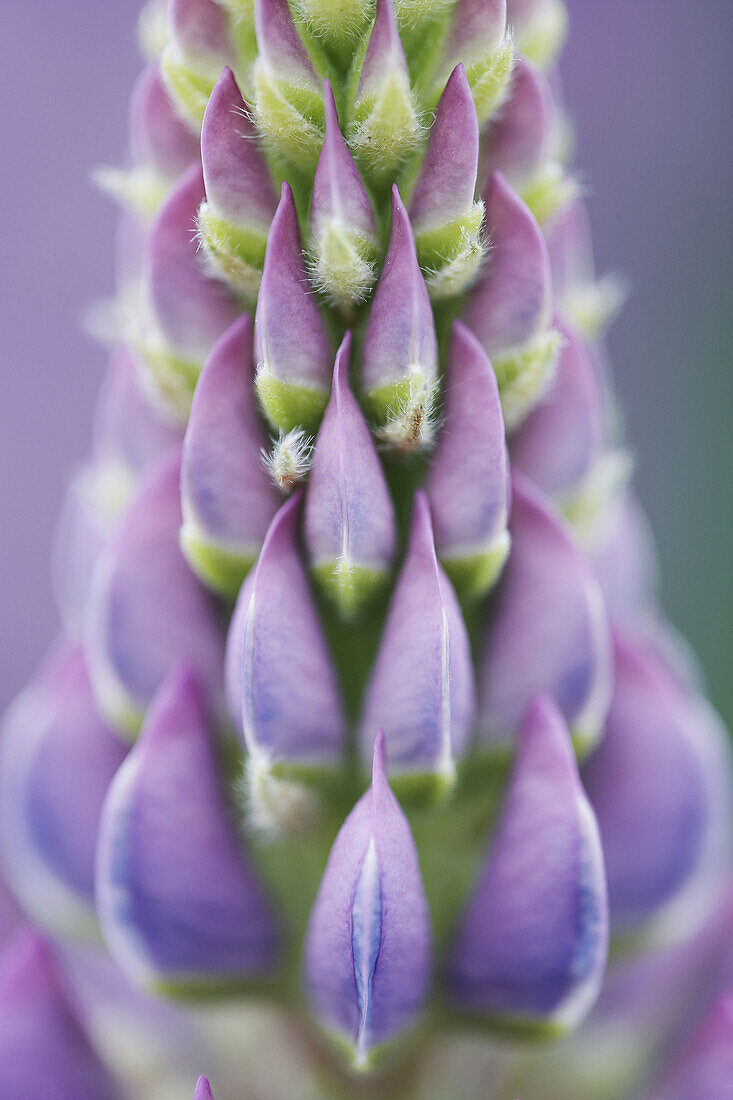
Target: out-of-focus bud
[(179, 904), (287, 100), (546, 631), (625, 560), (343, 243), (658, 785), (147, 613), (289, 704), (421, 691), (152, 28), (590, 302), (704, 1065), (520, 144), (368, 944), (478, 38), (446, 221), (227, 499), (539, 28), (531, 948), (240, 198), (43, 1050), (386, 125), (350, 532), (292, 351), (399, 360), (56, 766), (161, 147), (203, 1090), (468, 479), (199, 46), (185, 310), (510, 308)]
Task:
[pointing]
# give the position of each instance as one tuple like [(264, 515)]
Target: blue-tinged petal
[(421, 691), (147, 613), (179, 903), (531, 946), (546, 631), (227, 498), (368, 944)]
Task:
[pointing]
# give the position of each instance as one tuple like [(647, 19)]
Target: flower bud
[(446, 221), (339, 24), (531, 947), (350, 532), (343, 245), (199, 47), (625, 561), (655, 784), (386, 126), (288, 698), (510, 308), (368, 944), (227, 498), (546, 631), (291, 343), (591, 303), (468, 479), (43, 1050), (56, 767), (186, 310), (203, 1090), (147, 613), (539, 27), (399, 360), (179, 903), (287, 101), (240, 199), (421, 690), (478, 38)]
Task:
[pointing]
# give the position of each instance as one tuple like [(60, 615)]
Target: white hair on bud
[(290, 458)]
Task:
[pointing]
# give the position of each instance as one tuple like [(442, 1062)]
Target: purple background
[(649, 83)]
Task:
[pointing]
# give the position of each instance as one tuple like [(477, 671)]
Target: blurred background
[(649, 83)]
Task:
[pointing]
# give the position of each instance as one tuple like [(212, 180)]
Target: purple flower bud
[(368, 944), (78, 539), (291, 344), (704, 1065), (43, 1051), (625, 561), (350, 532), (227, 498), (518, 139), (198, 49), (178, 901), (399, 367), (158, 138), (477, 37), (510, 308), (546, 631), (421, 690), (532, 944), (654, 782), (57, 764), (203, 1090), (468, 479), (281, 48), (147, 613), (288, 697), (588, 301), (189, 310)]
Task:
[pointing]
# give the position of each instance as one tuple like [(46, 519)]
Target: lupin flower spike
[(179, 903), (350, 532), (343, 244), (43, 1051), (468, 480), (446, 221), (48, 827), (386, 125), (227, 498), (539, 28), (547, 630), (292, 351), (368, 944), (199, 47), (478, 37), (287, 103), (147, 612), (399, 360), (510, 308), (421, 690), (187, 310), (240, 199), (664, 840), (531, 947), (203, 1090)]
